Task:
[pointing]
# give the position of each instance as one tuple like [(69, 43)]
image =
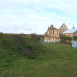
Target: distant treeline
[(38, 37), (34, 35)]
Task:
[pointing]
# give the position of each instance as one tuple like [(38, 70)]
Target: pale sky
[(34, 16)]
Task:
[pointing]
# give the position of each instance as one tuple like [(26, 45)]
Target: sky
[(35, 16)]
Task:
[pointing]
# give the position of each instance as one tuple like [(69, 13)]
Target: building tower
[(63, 28)]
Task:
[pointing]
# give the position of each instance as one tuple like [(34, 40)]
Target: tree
[(1, 34), (69, 39), (65, 39), (38, 37), (75, 38)]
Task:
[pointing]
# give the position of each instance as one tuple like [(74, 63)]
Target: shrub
[(64, 38), (38, 37), (75, 38), (1, 34)]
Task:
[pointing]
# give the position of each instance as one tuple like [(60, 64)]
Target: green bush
[(1, 34), (75, 38), (38, 37), (64, 38)]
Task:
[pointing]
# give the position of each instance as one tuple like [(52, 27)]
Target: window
[(53, 32), (57, 32)]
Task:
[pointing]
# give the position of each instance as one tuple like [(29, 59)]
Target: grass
[(33, 45), (53, 60)]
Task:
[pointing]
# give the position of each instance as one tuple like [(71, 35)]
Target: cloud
[(29, 16)]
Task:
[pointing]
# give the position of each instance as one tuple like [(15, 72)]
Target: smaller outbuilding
[(70, 32)]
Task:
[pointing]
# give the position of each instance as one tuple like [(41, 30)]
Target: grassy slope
[(58, 60), (33, 45)]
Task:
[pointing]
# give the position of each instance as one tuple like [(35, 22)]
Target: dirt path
[(20, 42)]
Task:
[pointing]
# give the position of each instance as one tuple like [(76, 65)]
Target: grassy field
[(52, 60)]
